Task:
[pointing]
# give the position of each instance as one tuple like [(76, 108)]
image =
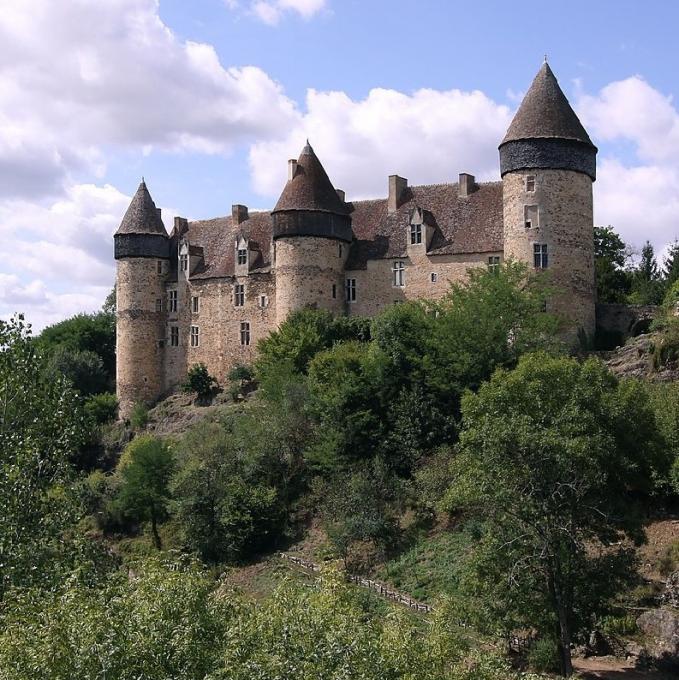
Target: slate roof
[(546, 113), (310, 188), (142, 216), (461, 226)]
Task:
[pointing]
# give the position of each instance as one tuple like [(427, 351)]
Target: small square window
[(398, 274), (415, 234), (159, 304), (494, 263), (239, 295), (530, 183), (540, 257), (242, 256), (195, 337), (174, 336), (195, 304), (183, 262), (245, 333), (434, 277), (351, 290), (172, 300), (263, 301)]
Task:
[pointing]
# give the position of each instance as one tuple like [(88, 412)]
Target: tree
[(610, 258), (145, 469), (670, 270), (109, 306), (83, 368), (550, 453), (41, 426), (647, 288), (199, 381)]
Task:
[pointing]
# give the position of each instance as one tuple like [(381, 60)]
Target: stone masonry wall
[(306, 269), (564, 200), (139, 329)]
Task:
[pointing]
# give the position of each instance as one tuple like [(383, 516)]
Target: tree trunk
[(563, 626), (154, 531)]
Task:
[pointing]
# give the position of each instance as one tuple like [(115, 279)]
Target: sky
[(208, 99)]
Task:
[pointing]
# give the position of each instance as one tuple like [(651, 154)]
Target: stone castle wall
[(564, 200), (139, 328)]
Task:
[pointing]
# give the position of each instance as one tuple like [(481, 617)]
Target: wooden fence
[(375, 586)]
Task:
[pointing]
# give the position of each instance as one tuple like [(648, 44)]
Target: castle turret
[(312, 232), (548, 164), (141, 247)]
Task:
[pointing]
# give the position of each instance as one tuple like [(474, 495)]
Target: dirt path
[(613, 669)]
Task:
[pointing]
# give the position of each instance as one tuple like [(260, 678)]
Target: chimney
[(292, 168), (467, 185), (239, 213), (341, 194), (397, 189)]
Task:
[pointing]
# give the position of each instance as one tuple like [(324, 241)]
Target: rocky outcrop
[(635, 360), (661, 628)]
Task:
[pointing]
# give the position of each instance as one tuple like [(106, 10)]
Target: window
[(351, 290), (245, 333), (434, 277), (195, 337), (161, 343), (334, 291), (263, 301), (239, 295), (540, 259), (415, 234), (174, 336), (159, 266), (242, 256), (494, 263), (172, 300), (183, 262), (398, 272), (159, 304), (339, 250), (195, 304), (530, 215), (530, 183)]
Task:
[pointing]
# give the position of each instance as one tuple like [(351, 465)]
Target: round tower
[(312, 233), (141, 247), (548, 165)]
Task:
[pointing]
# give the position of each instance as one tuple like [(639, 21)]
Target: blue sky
[(207, 99)]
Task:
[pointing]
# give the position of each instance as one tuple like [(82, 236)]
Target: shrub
[(84, 369), (101, 408), (240, 373), (543, 656), (199, 381), (139, 416)]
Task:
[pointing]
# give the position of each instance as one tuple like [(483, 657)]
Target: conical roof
[(310, 188), (142, 216), (546, 113)]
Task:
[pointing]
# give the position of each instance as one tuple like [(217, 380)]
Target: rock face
[(635, 360), (671, 595), (661, 627)]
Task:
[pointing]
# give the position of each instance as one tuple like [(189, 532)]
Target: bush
[(543, 656), (139, 416), (199, 381), (240, 373), (101, 408), (84, 369)]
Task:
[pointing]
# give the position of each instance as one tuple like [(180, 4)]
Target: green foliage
[(109, 306), (302, 335), (664, 399), (101, 408), (241, 373), (543, 656), (549, 453), (139, 415), (670, 270), (83, 333), (164, 621), (619, 625), (40, 428), (145, 469), (230, 487), (647, 286), (613, 281), (199, 381), (84, 369)]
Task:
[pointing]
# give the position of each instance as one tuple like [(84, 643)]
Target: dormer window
[(183, 262), (415, 234), (530, 216), (530, 183), (242, 257)]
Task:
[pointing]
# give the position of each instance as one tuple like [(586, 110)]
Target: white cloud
[(428, 136), (272, 11), (78, 76)]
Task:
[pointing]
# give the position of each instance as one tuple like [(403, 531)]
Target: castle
[(209, 290)]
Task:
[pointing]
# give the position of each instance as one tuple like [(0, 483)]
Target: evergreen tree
[(670, 269), (613, 281), (647, 287)]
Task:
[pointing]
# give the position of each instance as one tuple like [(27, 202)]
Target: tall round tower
[(142, 252), (312, 233), (548, 164)]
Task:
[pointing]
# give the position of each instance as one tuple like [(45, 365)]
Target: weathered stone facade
[(230, 281)]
